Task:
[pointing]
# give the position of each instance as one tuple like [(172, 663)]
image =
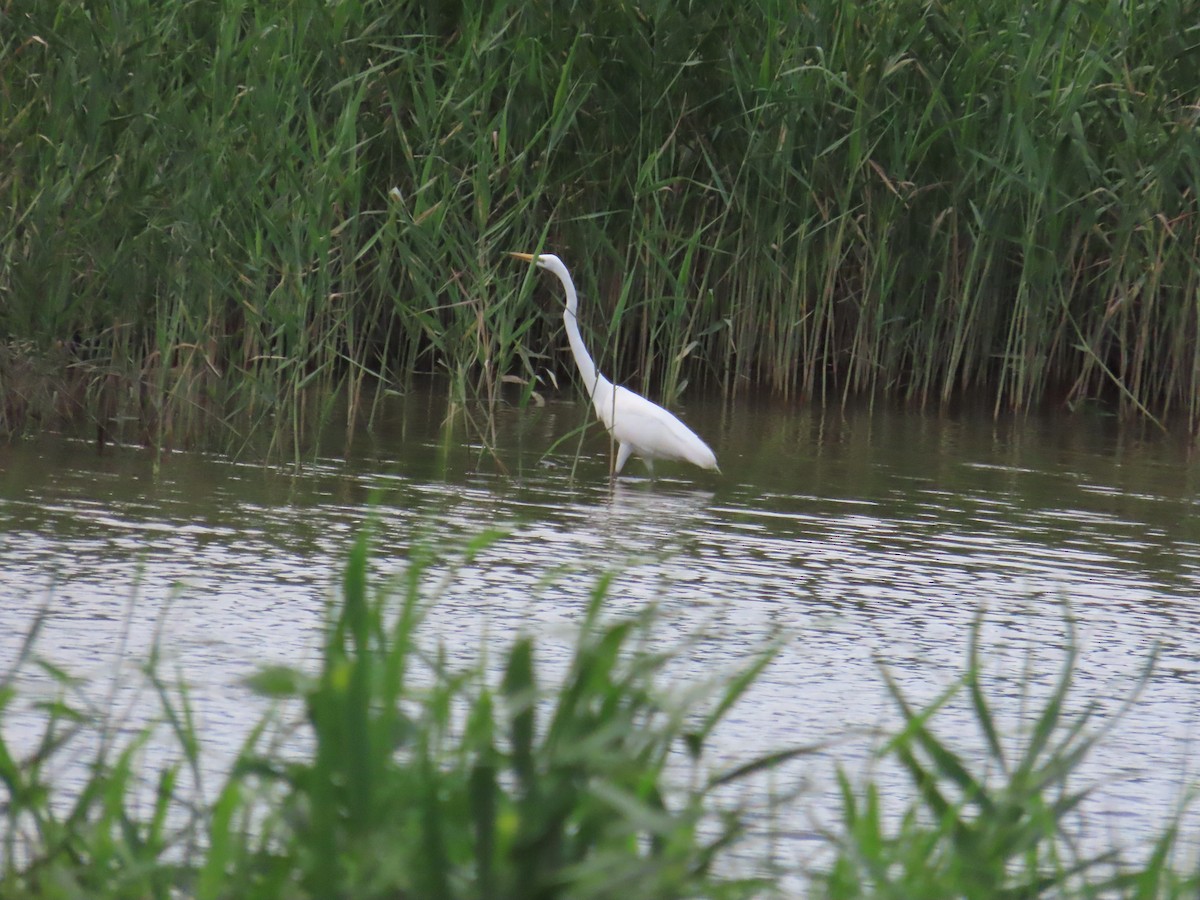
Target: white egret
[(637, 425)]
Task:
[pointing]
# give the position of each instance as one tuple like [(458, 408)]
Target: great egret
[(638, 425)]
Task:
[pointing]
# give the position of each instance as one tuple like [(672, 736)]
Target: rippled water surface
[(864, 539)]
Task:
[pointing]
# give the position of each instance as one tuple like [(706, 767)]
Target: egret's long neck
[(583, 359)]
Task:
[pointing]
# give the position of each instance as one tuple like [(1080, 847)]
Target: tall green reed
[(405, 769), (436, 779), (1002, 820), (918, 201), (84, 812)]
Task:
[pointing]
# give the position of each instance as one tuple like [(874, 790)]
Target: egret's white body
[(637, 425)]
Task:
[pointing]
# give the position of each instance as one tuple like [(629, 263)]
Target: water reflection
[(866, 538)]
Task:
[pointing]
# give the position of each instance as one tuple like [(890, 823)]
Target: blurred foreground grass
[(406, 775)]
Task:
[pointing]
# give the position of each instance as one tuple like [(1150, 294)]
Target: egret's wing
[(652, 430)]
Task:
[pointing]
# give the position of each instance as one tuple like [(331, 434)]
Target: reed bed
[(396, 769), (917, 200)]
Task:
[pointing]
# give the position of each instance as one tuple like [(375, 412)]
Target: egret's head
[(542, 260), (555, 266)]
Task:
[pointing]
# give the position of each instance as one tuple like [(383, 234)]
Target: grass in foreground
[(1002, 825), (420, 778)]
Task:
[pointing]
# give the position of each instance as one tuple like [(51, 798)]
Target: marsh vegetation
[(394, 768), (915, 201)]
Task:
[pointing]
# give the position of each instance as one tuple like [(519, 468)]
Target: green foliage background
[(913, 198)]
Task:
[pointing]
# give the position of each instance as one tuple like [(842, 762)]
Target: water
[(864, 540)]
